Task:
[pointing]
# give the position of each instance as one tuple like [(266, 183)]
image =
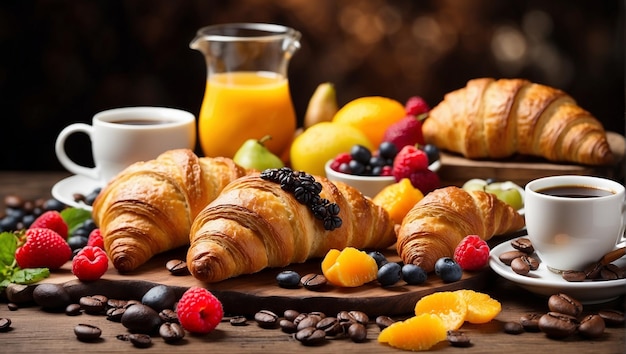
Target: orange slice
[(349, 268), (416, 333), (481, 308), (449, 306)]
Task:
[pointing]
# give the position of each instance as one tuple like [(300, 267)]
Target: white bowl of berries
[(370, 172)]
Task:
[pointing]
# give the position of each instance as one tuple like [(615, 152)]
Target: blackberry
[(307, 191)]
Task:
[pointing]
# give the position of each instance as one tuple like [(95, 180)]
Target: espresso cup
[(121, 136), (572, 221)]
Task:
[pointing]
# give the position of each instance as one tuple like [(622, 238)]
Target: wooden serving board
[(250, 293), (456, 169)]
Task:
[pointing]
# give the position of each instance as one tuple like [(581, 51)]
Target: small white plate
[(65, 189), (545, 282)]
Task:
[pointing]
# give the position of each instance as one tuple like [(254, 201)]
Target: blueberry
[(387, 150), (448, 270), (28, 219), (288, 279), (53, 204), (389, 274), (379, 258), (345, 168), (361, 154), (376, 161), (77, 242), (432, 152), (9, 223), (356, 167), (413, 274)]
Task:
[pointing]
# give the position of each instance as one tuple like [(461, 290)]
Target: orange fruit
[(419, 332), (372, 115), (481, 308), (349, 267), (448, 305), (312, 148), (398, 198)]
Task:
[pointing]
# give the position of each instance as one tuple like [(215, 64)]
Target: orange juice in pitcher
[(247, 92)]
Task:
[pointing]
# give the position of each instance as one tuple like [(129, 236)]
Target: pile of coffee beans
[(565, 318)]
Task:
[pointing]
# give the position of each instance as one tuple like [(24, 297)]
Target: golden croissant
[(255, 224), (498, 118), (148, 208), (436, 224)]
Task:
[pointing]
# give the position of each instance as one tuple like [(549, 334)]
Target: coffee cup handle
[(91, 172), (622, 232)]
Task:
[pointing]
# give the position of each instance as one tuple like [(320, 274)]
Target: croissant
[(255, 224), (436, 224), (148, 208), (496, 119)]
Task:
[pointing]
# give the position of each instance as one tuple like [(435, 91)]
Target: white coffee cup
[(122, 136), (570, 232)]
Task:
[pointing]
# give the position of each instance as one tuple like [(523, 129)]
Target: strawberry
[(44, 248), (406, 131), (425, 180), (52, 220), (472, 253), (199, 311), (90, 263), (408, 160), (95, 238), (416, 105)]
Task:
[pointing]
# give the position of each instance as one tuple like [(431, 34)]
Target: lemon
[(372, 115), (322, 142)]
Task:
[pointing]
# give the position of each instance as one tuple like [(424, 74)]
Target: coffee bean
[(171, 332), (291, 314), (593, 270), (574, 275), (508, 257), (140, 340), (384, 321), (93, 304), (86, 332), (330, 325), (73, 310), (116, 303), (287, 326), (5, 324), (313, 281), (114, 314), (345, 319), (19, 293), (309, 321), (513, 328), (557, 325), (130, 303), (310, 336), (592, 326), (140, 318), (159, 297), (458, 339), (611, 272), (565, 304), (266, 319), (360, 317), (12, 306), (612, 318), (357, 332), (299, 318), (238, 321), (318, 314), (523, 244), (177, 267), (51, 296), (168, 315), (519, 266), (530, 322)]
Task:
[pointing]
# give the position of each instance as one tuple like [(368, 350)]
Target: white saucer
[(65, 189), (544, 282)]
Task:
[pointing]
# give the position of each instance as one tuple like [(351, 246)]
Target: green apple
[(254, 155), (475, 184), (507, 192)]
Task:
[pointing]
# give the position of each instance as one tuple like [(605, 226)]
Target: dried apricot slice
[(416, 333), (481, 308), (448, 305), (349, 267)]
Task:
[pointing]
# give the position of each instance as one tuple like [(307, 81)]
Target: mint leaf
[(30, 275), (74, 217), (8, 245)]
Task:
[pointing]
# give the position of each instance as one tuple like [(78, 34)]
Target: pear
[(254, 155), (322, 105)]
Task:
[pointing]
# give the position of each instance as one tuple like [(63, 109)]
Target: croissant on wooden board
[(498, 118), (436, 224), (148, 208), (255, 224)]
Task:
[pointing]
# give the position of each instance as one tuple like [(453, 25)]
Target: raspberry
[(408, 160), (95, 239), (51, 220), (425, 180), (406, 131), (90, 263), (199, 311), (416, 105), (341, 158), (386, 171), (472, 253), (44, 248)]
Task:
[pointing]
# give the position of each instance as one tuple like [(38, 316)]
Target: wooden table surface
[(36, 331)]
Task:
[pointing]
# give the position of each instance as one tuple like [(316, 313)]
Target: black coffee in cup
[(575, 191)]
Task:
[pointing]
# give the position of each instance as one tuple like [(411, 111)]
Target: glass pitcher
[(247, 91)]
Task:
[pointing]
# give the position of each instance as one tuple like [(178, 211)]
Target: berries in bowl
[(371, 171)]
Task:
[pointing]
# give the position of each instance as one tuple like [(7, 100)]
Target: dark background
[(63, 61)]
